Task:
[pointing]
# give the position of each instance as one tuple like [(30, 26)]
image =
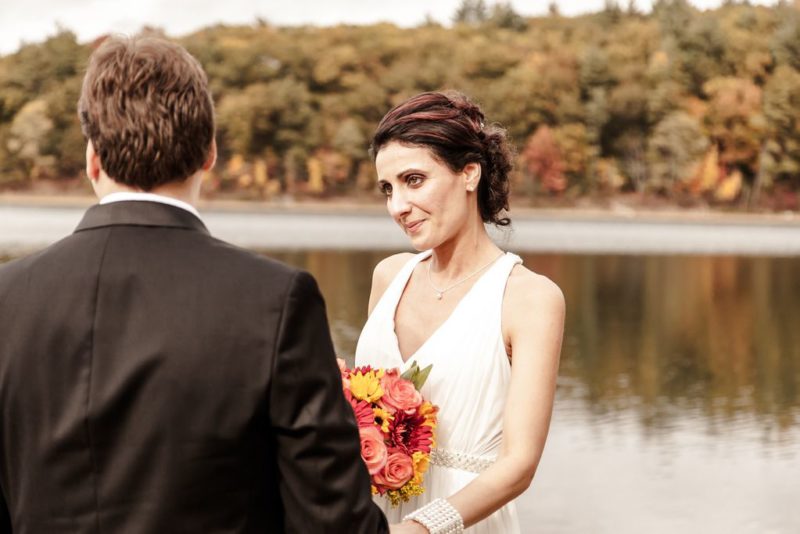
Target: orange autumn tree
[(543, 159), (736, 125)]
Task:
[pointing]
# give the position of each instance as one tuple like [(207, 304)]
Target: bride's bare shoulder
[(533, 316), (526, 287), (383, 275), (388, 267)]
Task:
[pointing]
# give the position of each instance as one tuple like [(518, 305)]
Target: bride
[(491, 328)]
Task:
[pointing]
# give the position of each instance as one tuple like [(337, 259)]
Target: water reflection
[(658, 336), (678, 401), (679, 392), (716, 335)]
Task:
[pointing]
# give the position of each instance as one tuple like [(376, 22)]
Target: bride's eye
[(414, 179), (385, 189)]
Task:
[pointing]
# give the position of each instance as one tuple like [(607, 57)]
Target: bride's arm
[(533, 316)]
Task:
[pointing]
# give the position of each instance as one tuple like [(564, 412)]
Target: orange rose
[(399, 393), (398, 470), (373, 449)]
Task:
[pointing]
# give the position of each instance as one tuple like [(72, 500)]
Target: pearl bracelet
[(439, 517)]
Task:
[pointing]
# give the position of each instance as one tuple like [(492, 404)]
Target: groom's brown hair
[(146, 107)]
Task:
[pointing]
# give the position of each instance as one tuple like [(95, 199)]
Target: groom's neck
[(187, 190)]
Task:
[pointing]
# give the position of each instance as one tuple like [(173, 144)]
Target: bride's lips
[(413, 228)]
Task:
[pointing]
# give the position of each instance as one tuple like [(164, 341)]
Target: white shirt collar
[(123, 196)]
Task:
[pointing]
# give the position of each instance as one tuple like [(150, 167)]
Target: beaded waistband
[(460, 460)]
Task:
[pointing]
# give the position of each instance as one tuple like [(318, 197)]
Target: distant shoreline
[(344, 206), (26, 226)]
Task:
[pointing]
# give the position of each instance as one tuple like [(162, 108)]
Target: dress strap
[(510, 260), (392, 295), (493, 289), (499, 275)]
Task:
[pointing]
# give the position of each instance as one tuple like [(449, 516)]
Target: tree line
[(688, 105)]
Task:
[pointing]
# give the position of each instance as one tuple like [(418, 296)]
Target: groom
[(154, 379)]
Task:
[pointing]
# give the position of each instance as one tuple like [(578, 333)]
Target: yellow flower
[(428, 411), (421, 462), (404, 494), (383, 417), (366, 387)]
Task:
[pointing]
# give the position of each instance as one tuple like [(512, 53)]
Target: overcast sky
[(33, 20)]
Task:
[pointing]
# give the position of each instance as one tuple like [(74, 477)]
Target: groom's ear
[(211, 158), (93, 166)]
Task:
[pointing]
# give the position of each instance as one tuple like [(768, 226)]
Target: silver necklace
[(440, 292)]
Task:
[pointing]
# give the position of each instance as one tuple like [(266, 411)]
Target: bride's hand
[(408, 527)]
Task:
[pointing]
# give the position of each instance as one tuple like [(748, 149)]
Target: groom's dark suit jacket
[(154, 379)]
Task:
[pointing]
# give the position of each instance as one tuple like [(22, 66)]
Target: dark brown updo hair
[(454, 129)]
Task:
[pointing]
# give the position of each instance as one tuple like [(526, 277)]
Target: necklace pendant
[(438, 295)]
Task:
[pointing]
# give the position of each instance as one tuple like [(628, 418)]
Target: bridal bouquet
[(396, 426)]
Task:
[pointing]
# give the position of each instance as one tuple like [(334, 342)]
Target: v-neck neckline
[(413, 356)]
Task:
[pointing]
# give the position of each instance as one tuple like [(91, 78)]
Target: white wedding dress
[(469, 382)]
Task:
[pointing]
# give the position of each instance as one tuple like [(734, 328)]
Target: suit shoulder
[(13, 268), (241, 258), (22, 265)]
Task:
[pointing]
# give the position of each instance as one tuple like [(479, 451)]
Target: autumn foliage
[(677, 103)]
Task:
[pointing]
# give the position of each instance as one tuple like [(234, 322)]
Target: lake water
[(678, 402)]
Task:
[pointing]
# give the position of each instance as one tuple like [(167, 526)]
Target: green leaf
[(417, 376), (422, 377), (410, 372)]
